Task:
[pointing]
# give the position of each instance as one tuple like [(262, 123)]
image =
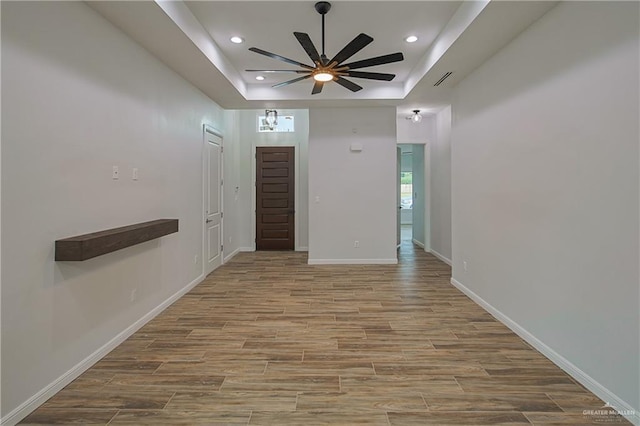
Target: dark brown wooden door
[(275, 198)]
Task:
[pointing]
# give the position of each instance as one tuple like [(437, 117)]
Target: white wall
[(78, 97), (0, 240), (249, 139), (0, 244), (545, 190), (352, 195), (440, 165), (408, 132), (232, 157)]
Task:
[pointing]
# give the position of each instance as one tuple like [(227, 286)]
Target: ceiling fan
[(325, 69)]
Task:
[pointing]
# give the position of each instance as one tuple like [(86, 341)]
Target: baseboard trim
[(441, 257), (587, 381), (54, 387), (251, 249), (352, 261), (418, 243), (232, 255)]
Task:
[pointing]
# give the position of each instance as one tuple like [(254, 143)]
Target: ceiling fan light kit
[(325, 69), (323, 76)]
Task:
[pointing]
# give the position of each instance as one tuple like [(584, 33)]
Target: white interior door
[(213, 213)]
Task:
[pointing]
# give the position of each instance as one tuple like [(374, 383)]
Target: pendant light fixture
[(415, 117)]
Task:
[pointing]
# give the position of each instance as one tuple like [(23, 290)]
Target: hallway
[(267, 339)]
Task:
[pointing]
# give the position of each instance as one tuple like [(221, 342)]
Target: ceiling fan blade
[(307, 45), (348, 84), (378, 60), (295, 80), (271, 71), (371, 75), (317, 87), (280, 58), (354, 46)]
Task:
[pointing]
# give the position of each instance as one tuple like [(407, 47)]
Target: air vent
[(443, 78)]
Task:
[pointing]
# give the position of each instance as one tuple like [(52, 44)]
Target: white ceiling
[(270, 26), (192, 38)]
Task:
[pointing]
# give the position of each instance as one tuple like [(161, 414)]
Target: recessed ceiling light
[(411, 39), (236, 39), (259, 78)]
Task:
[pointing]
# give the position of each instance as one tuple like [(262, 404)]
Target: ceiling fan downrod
[(322, 7)]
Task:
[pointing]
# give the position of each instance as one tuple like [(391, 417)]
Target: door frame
[(206, 128), (296, 192)]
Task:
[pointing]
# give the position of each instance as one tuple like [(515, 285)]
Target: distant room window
[(406, 190), (284, 124)]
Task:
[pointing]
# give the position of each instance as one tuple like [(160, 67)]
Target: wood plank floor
[(270, 340)]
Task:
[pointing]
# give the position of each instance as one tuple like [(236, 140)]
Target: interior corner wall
[(545, 191), (249, 139), (440, 165), (78, 97), (352, 194)]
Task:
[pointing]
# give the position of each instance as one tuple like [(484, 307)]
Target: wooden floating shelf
[(87, 246)]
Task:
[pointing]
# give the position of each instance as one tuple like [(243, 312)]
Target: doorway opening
[(405, 190), (411, 195)]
